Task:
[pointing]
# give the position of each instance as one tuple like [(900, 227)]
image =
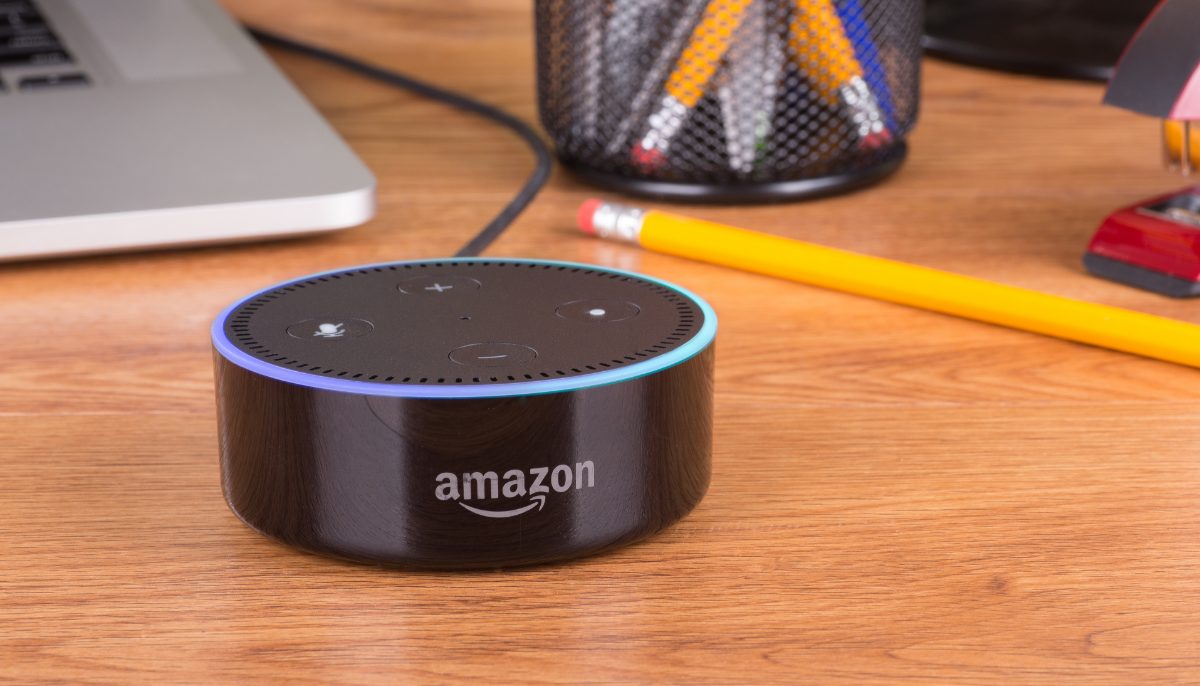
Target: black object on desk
[(465, 413), (1078, 39)]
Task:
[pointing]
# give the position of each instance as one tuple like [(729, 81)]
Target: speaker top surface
[(464, 328)]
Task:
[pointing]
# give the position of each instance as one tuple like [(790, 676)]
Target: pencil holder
[(729, 100)]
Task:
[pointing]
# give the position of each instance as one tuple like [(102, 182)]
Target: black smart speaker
[(465, 413)]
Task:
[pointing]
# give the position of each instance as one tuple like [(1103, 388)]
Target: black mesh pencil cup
[(729, 100)]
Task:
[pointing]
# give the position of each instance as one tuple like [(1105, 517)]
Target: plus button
[(430, 285)]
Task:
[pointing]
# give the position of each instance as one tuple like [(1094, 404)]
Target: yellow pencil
[(824, 52), (689, 78), (1176, 137), (822, 48), (874, 277)]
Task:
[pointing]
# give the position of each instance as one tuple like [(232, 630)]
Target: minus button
[(492, 354)]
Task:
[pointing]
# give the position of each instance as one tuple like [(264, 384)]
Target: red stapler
[(1155, 244)]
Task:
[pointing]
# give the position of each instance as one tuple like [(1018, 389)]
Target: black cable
[(537, 178)]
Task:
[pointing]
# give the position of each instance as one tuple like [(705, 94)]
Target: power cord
[(537, 178)]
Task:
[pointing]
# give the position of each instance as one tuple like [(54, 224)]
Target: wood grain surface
[(898, 497)]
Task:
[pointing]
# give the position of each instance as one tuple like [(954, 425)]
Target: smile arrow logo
[(538, 501)]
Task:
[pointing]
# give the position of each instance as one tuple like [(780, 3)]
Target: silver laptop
[(141, 123)]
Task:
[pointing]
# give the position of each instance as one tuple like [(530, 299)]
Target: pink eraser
[(876, 141), (587, 215), (648, 159)]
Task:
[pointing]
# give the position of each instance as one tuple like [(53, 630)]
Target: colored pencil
[(858, 30), (652, 81), (688, 80), (587, 45), (1178, 137), (748, 86), (825, 53)]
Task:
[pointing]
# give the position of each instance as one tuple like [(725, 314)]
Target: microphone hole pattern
[(686, 320)]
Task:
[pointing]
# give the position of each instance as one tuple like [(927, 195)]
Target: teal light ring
[(703, 338)]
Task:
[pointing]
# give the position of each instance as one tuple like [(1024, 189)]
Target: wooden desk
[(898, 496)]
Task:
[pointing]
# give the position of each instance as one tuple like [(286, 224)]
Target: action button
[(492, 354), (330, 329), (433, 284), (598, 310)]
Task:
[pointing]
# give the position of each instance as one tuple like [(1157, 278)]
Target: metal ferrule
[(864, 107), (618, 222), (664, 124)]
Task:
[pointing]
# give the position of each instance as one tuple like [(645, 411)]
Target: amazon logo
[(528, 489)]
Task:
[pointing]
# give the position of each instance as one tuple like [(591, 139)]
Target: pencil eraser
[(648, 159), (587, 215), (875, 141)]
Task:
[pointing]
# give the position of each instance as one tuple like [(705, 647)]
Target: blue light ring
[(703, 338)]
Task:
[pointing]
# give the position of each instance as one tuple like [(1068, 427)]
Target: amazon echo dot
[(465, 413)]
